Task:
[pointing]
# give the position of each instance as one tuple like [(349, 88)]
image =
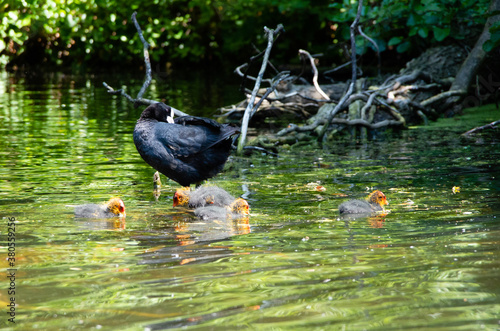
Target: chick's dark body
[(187, 151), (93, 211), (359, 207)]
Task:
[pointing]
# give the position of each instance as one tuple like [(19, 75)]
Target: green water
[(431, 263)]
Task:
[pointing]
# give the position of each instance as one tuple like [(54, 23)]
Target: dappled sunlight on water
[(431, 261)]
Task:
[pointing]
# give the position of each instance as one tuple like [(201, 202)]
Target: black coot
[(188, 149)]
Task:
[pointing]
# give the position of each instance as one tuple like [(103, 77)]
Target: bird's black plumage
[(189, 150)]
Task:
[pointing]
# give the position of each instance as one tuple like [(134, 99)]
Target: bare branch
[(354, 122), (367, 105), (246, 117), (147, 80), (361, 122), (353, 29), (374, 45), (240, 73), (315, 72), (337, 68), (255, 57), (441, 96), (147, 62), (491, 125), (269, 90)]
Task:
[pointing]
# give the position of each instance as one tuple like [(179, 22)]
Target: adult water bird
[(373, 203), (113, 208), (186, 149)]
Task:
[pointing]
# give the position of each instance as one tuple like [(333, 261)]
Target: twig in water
[(492, 125)]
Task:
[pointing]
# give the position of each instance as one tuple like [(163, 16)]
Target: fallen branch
[(492, 125), (405, 79), (354, 122), (441, 96), (367, 105), (139, 100), (260, 149), (367, 124)]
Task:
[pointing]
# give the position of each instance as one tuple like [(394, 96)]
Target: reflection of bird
[(113, 208), (375, 202), (202, 196), (188, 149), (238, 209), (156, 185)]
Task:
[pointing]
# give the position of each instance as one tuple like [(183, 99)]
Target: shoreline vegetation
[(449, 70)]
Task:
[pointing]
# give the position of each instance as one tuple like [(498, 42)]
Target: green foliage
[(494, 37), (76, 31), (101, 32), (408, 24)]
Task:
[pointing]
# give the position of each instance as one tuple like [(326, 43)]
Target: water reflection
[(431, 263), (115, 224), (193, 238)]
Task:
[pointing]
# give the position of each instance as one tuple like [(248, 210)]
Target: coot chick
[(202, 196), (187, 149), (238, 209), (374, 202), (113, 208)]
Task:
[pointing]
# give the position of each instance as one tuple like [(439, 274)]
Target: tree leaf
[(403, 47), (394, 41), (488, 46), (440, 33), (423, 32)]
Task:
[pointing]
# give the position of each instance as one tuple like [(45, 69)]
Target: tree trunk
[(470, 66)]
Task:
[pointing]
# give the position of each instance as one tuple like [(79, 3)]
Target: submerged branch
[(492, 125)]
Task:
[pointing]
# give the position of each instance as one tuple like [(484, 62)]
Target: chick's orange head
[(240, 206), (181, 196), (117, 207), (378, 197)]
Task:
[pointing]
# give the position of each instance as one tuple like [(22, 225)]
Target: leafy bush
[(98, 32)]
